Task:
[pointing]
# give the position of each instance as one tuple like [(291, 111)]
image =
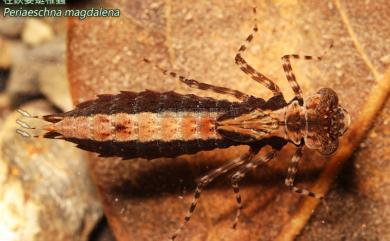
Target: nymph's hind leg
[(292, 170), (202, 86), (249, 70), (241, 172), (290, 74), (208, 178)]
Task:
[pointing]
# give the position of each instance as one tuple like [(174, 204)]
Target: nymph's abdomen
[(147, 124)]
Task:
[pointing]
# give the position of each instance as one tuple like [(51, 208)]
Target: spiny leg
[(249, 70), (202, 86), (208, 178), (292, 170), (240, 173), (290, 74)]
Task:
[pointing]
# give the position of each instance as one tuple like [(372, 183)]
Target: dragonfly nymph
[(151, 124)]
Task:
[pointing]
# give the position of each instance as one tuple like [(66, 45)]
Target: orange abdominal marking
[(169, 127), (124, 127), (100, 128), (188, 126), (147, 126), (207, 125)]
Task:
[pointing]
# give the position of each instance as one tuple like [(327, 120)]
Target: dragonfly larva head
[(326, 121)]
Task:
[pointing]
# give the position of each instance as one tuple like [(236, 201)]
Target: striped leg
[(292, 170), (236, 190), (289, 72), (240, 173), (249, 70), (208, 178), (202, 86)]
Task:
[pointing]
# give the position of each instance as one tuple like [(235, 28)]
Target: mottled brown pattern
[(189, 124), (170, 126), (206, 126), (100, 126), (124, 127), (148, 128), (78, 127), (326, 121), (142, 127)]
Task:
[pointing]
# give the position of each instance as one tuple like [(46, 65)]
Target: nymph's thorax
[(287, 123)]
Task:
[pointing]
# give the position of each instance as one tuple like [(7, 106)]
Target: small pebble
[(37, 32)]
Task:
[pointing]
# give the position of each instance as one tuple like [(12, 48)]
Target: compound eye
[(328, 96), (330, 147), (345, 120), (324, 144)]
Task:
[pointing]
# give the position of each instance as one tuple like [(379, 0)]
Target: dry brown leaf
[(198, 38)]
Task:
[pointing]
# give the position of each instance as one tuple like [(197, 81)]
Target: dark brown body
[(151, 124)]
